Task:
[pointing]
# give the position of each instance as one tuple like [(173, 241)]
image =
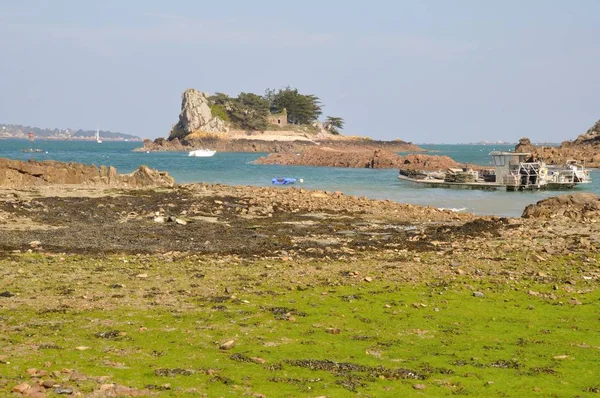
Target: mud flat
[(213, 290)]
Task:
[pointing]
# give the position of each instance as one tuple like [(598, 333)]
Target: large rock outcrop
[(578, 207), (20, 174), (590, 137), (196, 116), (585, 149), (366, 158)]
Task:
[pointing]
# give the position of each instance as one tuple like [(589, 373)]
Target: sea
[(239, 169)]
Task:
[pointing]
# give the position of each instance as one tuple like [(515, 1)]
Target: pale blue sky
[(424, 71)]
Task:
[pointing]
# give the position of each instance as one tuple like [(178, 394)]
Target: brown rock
[(21, 387), (17, 173), (577, 207), (359, 158), (585, 149), (48, 383), (228, 345)]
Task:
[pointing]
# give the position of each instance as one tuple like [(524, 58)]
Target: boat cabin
[(516, 170)]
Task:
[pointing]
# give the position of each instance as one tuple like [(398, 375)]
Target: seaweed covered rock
[(577, 207)]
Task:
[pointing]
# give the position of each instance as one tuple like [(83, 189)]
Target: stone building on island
[(278, 119)]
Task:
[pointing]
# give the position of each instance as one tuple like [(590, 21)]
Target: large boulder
[(578, 207), (196, 116), (427, 162), (525, 146)]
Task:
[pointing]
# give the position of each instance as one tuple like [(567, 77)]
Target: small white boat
[(98, 140), (202, 153)]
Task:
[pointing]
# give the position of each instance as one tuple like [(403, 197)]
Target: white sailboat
[(98, 140)]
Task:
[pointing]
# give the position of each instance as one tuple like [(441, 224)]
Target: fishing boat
[(202, 153), (512, 171)]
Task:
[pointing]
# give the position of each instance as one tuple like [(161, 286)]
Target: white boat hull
[(202, 153)]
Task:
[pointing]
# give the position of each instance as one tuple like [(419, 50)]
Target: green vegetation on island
[(276, 108)]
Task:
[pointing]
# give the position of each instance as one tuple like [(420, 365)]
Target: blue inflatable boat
[(283, 181)]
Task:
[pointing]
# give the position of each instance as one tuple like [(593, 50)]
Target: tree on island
[(251, 111), (301, 108), (248, 111), (333, 123)]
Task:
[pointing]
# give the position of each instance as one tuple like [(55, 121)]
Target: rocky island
[(277, 122)]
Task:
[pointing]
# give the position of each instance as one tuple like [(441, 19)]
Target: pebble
[(63, 391), (228, 345), (419, 386), (48, 383), (478, 294), (21, 387)]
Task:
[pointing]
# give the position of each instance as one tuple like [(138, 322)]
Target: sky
[(423, 71)]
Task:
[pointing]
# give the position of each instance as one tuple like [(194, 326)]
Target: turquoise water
[(238, 169)]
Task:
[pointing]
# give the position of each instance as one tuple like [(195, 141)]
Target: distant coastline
[(91, 139), (17, 131)]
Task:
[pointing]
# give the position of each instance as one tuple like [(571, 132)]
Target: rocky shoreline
[(21, 174), (147, 198), (272, 144)]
